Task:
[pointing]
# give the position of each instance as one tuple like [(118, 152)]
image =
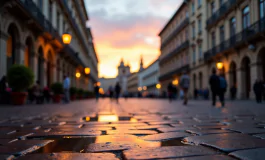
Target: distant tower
[(141, 64), (123, 73)]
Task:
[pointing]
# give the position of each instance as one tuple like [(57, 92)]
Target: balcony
[(222, 12), (176, 31), (34, 13), (175, 72), (248, 35), (174, 52)]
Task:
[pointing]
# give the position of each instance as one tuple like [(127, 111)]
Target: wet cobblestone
[(131, 130)]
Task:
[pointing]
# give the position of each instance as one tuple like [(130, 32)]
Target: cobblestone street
[(133, 129)]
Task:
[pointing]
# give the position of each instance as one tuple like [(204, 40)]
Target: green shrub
[(57, 88), (73, 91), (20, 78)]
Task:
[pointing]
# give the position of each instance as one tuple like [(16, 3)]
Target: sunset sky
[(126, 29)]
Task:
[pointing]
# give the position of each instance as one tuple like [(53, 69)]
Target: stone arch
[(49, 68), (40, 66), (261, 64), (194, 81), (13, 43), (246, 77), (29, 52), (233, 73), (40, 43), (200, 80)]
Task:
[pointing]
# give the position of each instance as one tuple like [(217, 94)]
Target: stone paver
[(167, 152), (211, 157), (165, 136), (255, 154), (157, 131), (70, 156)]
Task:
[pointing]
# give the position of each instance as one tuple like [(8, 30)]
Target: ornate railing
[(222, 11), (245, 35), (174, 52), (176, 31)]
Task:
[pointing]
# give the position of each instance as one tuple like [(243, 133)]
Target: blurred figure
[(258, 89), (117, 91), (222, 89), (170, 91), (111, 92), (195, 93), (96, 90), (4, 93), (215, 85), (66, 87), (233, 91), (37, 92), (47, 94), (206, 93), (185, 84)]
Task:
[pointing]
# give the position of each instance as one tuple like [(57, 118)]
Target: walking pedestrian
[(66, 87), (233, 91), (222, 89), (111, 92), (170, 91), (4, 93), (117, 91), (185, 84), (258, 88), (215, 85), (96, 90)]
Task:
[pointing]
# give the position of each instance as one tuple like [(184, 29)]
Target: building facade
[(235, 31), (31, 34), (133, 84), (123, 72), (105, 84), (174, 58), (226, 35), (149, 79)]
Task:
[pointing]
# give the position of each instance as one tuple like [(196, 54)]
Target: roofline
[(172, 18), (85, 9)]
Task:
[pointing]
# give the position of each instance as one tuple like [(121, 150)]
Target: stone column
[(253, 78), (239, 84), (35, 65), (20, 53), (44, 73), (3, 47)]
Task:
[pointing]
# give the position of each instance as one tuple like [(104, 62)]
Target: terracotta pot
[(73, 97), (57, 98), (19, 98)]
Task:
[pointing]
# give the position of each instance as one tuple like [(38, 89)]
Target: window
[(222, 34), (232, 26), (261, 8), (212, 7), (187, 34), (213, 39), (193, 7), (246, 17), (199, 25), (40, 4), (194, 54), (193, 30), (50, 10), (58, 20), (199, 3), (200, 50)]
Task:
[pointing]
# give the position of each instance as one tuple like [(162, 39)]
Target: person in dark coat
[(215, 86), (233, 91), (222, 89), (4, 94), (117, 91), (258, 88), (96, 90), (170, 90)]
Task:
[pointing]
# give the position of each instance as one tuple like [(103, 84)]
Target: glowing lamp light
[(87, 70), (219, 65), (158, 86), (144, 88), (108, 118), (139, 88), (98, 83), (176, 82), (66, 38), (78, 75)]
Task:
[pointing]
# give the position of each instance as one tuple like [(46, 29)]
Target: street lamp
[(175, 82), (66, 38), (139, 89), (87, 70), (158, 86), (219, 65), (144, 88), (78, 75)]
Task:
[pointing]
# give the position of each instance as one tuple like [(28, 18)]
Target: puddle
[(109, 118), (67, 145), (173, 142)]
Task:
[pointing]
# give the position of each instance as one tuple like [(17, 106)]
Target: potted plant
[(73, 92), (57, 89), (80, 93), (19, 78)]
